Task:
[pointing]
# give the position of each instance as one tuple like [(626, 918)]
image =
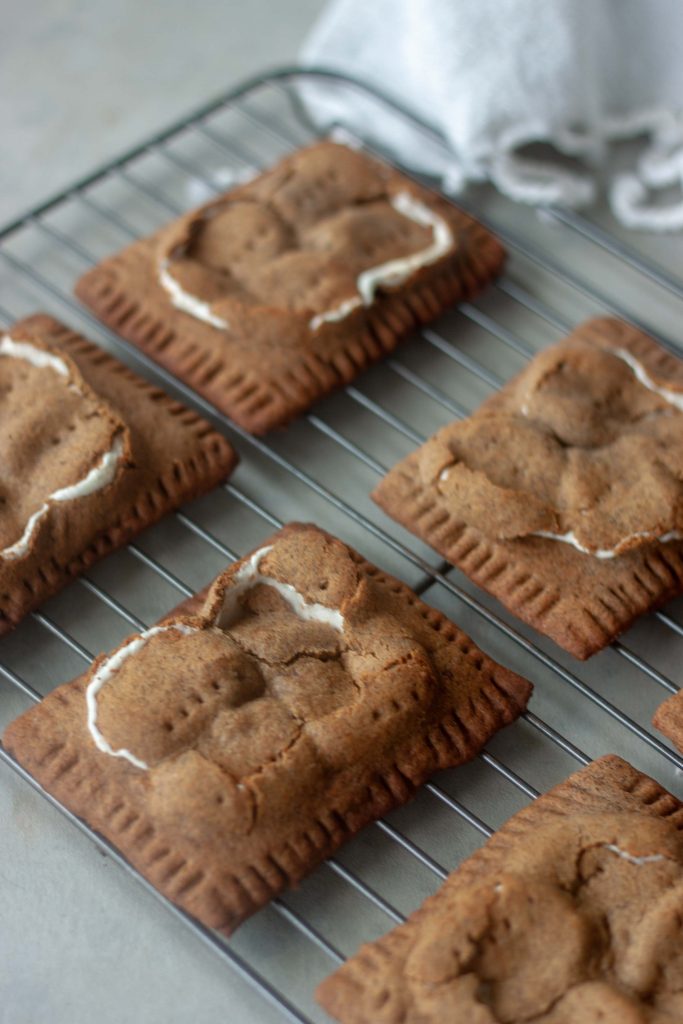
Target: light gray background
[(81, 81)]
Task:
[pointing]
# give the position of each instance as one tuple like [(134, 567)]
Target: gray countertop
[(82, 81), (79, 83)]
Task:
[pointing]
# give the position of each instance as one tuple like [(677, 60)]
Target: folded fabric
[(497, 75)]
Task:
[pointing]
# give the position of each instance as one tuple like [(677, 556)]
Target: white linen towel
[(496, 75)]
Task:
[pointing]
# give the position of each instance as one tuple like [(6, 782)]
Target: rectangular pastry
[(285, 288), (572, 913), (562, 494), (228, 752), (90, 455)]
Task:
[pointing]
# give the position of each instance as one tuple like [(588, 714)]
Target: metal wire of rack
[(323, 468)]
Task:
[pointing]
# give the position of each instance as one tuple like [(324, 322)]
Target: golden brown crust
[(170, 456), (480, 489), (273, 740), (570, 914), (277, 266), (668, 718)]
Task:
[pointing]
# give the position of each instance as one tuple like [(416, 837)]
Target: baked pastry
[(570, 914), (89, 456), (229, 752), (668, 718), (563, 493), (284, 288)]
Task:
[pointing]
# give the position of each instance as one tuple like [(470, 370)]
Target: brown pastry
[(563, 494), (284, 288), (572, 913), (89, 456), (227, 753), (668, 718)]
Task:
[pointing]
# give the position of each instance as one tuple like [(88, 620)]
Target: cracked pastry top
[(58, 441), (284, 288), (89, 455), (563, 493), (226, 753), (570, 914)]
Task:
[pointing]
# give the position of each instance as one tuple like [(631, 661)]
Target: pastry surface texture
[(563, 493), (668, 718), (90, 455), (570, 914), (226, 753), (285, 288)]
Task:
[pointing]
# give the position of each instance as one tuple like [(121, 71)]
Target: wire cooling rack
[(563, 267)]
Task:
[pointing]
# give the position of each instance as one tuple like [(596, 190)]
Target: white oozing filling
[(340, 312), (396, 271), (98, 477), (246, 577), (674, 398), (104, 673), (187, 302), (31, 354), (392, 272), (652, 858), (570, 538)]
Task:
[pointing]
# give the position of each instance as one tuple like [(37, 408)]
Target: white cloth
[(495, 75)]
